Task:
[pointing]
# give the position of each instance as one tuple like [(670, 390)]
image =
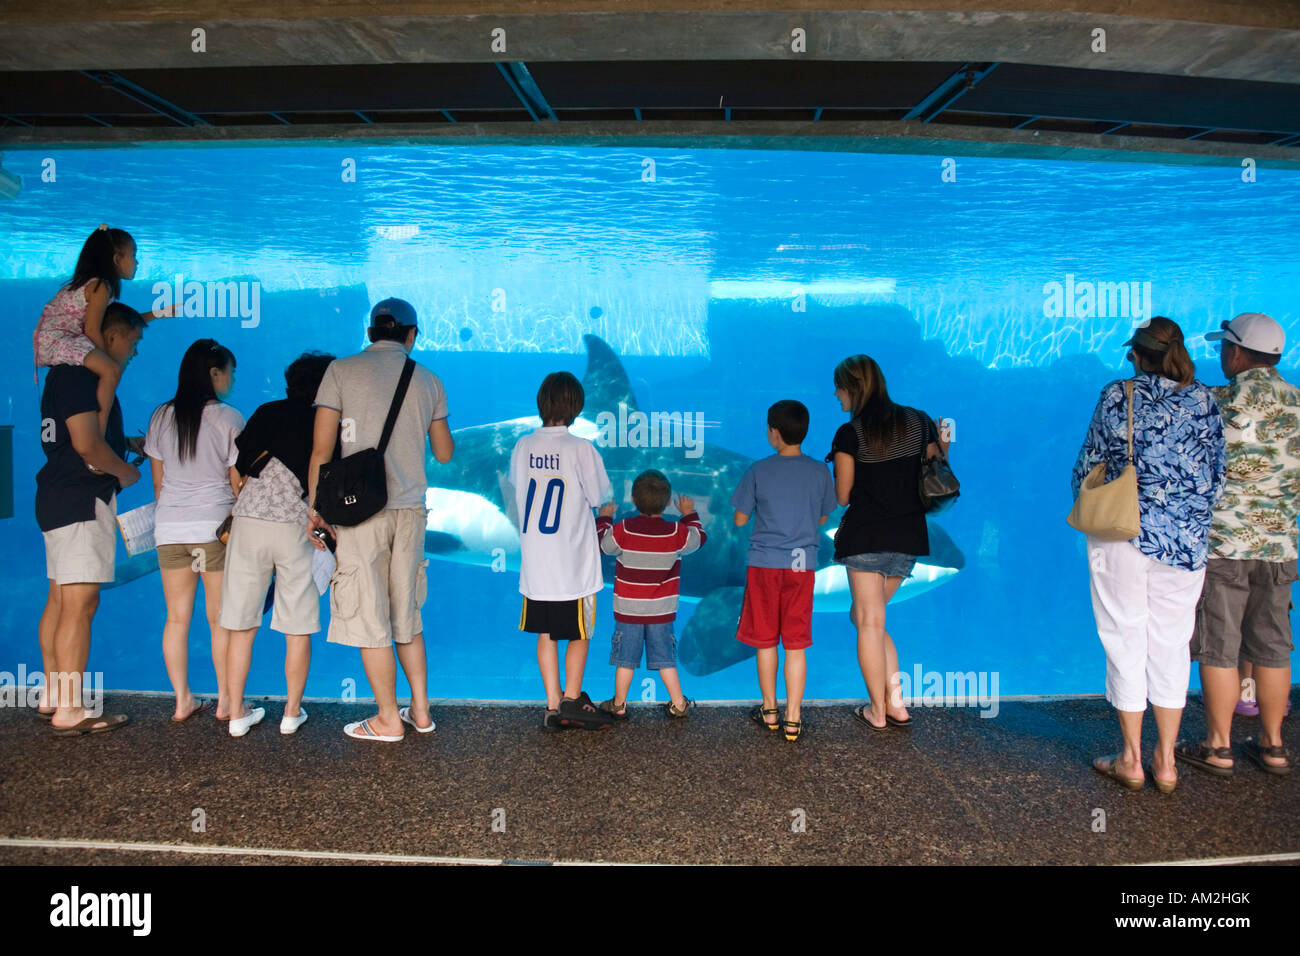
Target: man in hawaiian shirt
[(1244, 607)]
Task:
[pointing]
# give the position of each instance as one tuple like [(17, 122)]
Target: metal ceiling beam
[(526, 89), (134, 91), (967, 77)]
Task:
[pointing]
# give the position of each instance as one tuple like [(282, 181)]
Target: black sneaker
[(583, 713), (552, 721)]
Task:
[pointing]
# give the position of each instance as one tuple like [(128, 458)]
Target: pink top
[(60, 337)]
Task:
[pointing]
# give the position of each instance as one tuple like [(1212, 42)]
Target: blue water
[(693, 278)]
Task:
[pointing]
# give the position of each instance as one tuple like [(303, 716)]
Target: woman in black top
[(877, 458)]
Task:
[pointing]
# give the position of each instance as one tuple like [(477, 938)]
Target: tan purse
[(1109, 510)]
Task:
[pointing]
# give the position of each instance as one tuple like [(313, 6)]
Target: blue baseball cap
[(393, 313)]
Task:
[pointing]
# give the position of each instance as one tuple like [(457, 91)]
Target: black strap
[(407, 371)]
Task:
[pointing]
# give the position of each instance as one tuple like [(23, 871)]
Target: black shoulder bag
[(352, 489), (938, 487)]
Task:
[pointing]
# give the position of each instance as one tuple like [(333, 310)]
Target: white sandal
[(405, 714), (361, 730)]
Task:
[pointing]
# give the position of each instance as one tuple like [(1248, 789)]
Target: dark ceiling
[(1002, 95)]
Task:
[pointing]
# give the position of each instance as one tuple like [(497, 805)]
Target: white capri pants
[(1146, 613)]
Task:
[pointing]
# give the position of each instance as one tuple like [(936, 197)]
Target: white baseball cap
[(1253, 330)]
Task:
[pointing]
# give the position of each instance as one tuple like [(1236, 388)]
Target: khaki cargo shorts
[(379, 586)]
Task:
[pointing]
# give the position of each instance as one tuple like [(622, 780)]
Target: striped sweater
[(649, 551)]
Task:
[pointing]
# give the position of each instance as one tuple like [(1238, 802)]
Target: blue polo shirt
[(787, 496), (65, 488)]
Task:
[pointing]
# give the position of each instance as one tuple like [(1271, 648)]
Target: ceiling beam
[(965, 78), (152, 101), (526, 89)]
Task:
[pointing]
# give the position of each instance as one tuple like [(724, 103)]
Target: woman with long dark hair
[(191, 448), (877, 458), (1144, 590)]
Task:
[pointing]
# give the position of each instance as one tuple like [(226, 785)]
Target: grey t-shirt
[(788, 495), (360, 388)]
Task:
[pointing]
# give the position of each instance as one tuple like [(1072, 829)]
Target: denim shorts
[(657, 639), (889, 563)]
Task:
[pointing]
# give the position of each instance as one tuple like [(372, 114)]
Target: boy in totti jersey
[(558, 478)]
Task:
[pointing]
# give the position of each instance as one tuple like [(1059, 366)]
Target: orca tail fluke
[(709, 642)]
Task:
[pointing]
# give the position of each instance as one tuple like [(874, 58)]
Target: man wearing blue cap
[(1244, 606), (379, 586)]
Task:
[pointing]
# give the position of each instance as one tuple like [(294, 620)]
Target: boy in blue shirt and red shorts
[(790, 496)]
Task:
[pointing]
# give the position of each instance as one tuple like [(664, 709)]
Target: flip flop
[(1108, 770), (1198, 758), (87, 726), (898, 723), (1256, 753), (405, 715), (45, 715), (200, 708), (361, 730), (860, 714)]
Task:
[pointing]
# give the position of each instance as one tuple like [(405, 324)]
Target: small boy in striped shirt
[(649, 551)]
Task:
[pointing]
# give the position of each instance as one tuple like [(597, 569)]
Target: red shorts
[(778, 603)]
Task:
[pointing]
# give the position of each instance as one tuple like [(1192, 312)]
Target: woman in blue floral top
[(1144, 591)]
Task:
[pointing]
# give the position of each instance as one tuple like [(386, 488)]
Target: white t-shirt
[(558, 478), (196, 495)]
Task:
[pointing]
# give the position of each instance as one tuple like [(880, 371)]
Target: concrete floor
[(1016, 789)]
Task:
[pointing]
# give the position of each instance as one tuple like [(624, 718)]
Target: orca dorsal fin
[(605, 383)]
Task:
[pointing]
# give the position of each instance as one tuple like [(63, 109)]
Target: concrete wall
[(1257, 40), (1234, 39)]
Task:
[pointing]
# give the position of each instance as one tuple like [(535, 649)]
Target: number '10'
[(548, 521)]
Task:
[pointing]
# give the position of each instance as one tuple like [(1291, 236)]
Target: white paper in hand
[(136, 526), (322, 569)]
